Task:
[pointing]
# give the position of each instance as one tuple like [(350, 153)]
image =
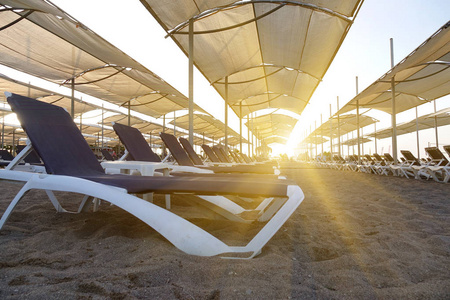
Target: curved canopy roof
[(440, 118), (206, 125), (272, 125), (422, 76), (346, 124), (38, 38), (273, 54), (22, 88)]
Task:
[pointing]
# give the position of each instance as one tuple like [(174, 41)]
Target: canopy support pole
[(226, 112), (331, 135), (102, 125), (248, 134), (3, 130), (321, 132), (240, 127), (129, 113), (13, 140), (417, 133), (72, 98), (357, 123), (191, 81), (81, 123), (394, 120), (175, 125), (339, 129), (436, 125), (375, 125), (315, 136)]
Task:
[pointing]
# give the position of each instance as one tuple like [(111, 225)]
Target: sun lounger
[(183, 159), (438, 166), (107, 155), (411, 166), (55, 137), (210, 154)]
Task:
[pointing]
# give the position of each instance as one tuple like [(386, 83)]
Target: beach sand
[(354, 236)]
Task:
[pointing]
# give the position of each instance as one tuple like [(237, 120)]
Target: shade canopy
[(422, 76), (206, 125), (345, 124), (22, 88), (273, 54), (354, 142), (38, 38), (440, 118), (272, 125)]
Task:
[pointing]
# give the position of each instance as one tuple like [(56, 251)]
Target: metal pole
[(248, 134), (394, 121), (191, 81), (240, 127), (375, 125), (339, 128), (436, 125), (72, 99), (3, 130), (331, 135), (175, 125), (321, 132), (417, 133), (129, 113), (226, 112), (357, 122), (102, 125)]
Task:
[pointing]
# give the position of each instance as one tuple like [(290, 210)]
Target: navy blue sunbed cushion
[(175, 149), (190, 151), (135, 143)]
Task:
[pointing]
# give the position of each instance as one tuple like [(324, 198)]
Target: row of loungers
[(71, 166), (436, 167)]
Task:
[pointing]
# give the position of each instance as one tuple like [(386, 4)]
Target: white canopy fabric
[(269, 54), (354, 142), (347, 123), (206, 125), (272, 124), (14, 86), (440, 118), (38, 38), (422, 76)]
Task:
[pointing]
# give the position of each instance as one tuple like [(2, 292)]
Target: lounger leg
[(13, 203), (55, 201), (84, 205)]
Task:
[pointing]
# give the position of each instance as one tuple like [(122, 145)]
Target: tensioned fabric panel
[(347, 123), (99, 68), (282, 47), (14, 86), (424, 75), (424, 122), (272, 125)]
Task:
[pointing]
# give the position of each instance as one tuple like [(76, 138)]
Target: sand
[(354, 236)]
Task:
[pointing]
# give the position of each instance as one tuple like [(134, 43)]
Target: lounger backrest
[(388, 157), (436, 155), (410, 157), (220, 155), (107, 155), (31, 158), (175, 149), (210, 153), (190, 151), (447, 149), (55, 137), (5, 155), (246, 158), (135, 143)]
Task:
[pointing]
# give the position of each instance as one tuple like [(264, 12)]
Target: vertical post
[(129, 113), (191, 81), (164, 130), (376, 149), (248, 134), (339, 128), (357, 123), (13, 140), (240, 127), (175, 125), (393, 115), (331, 135), (151, 139), (3, 130), (417, 133), (321, 132), (72, 98), (102, 125), (315, 136), (226, 112), (436, 125), (81, 123)]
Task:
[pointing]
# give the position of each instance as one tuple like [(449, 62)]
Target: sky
[(365, 53)]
